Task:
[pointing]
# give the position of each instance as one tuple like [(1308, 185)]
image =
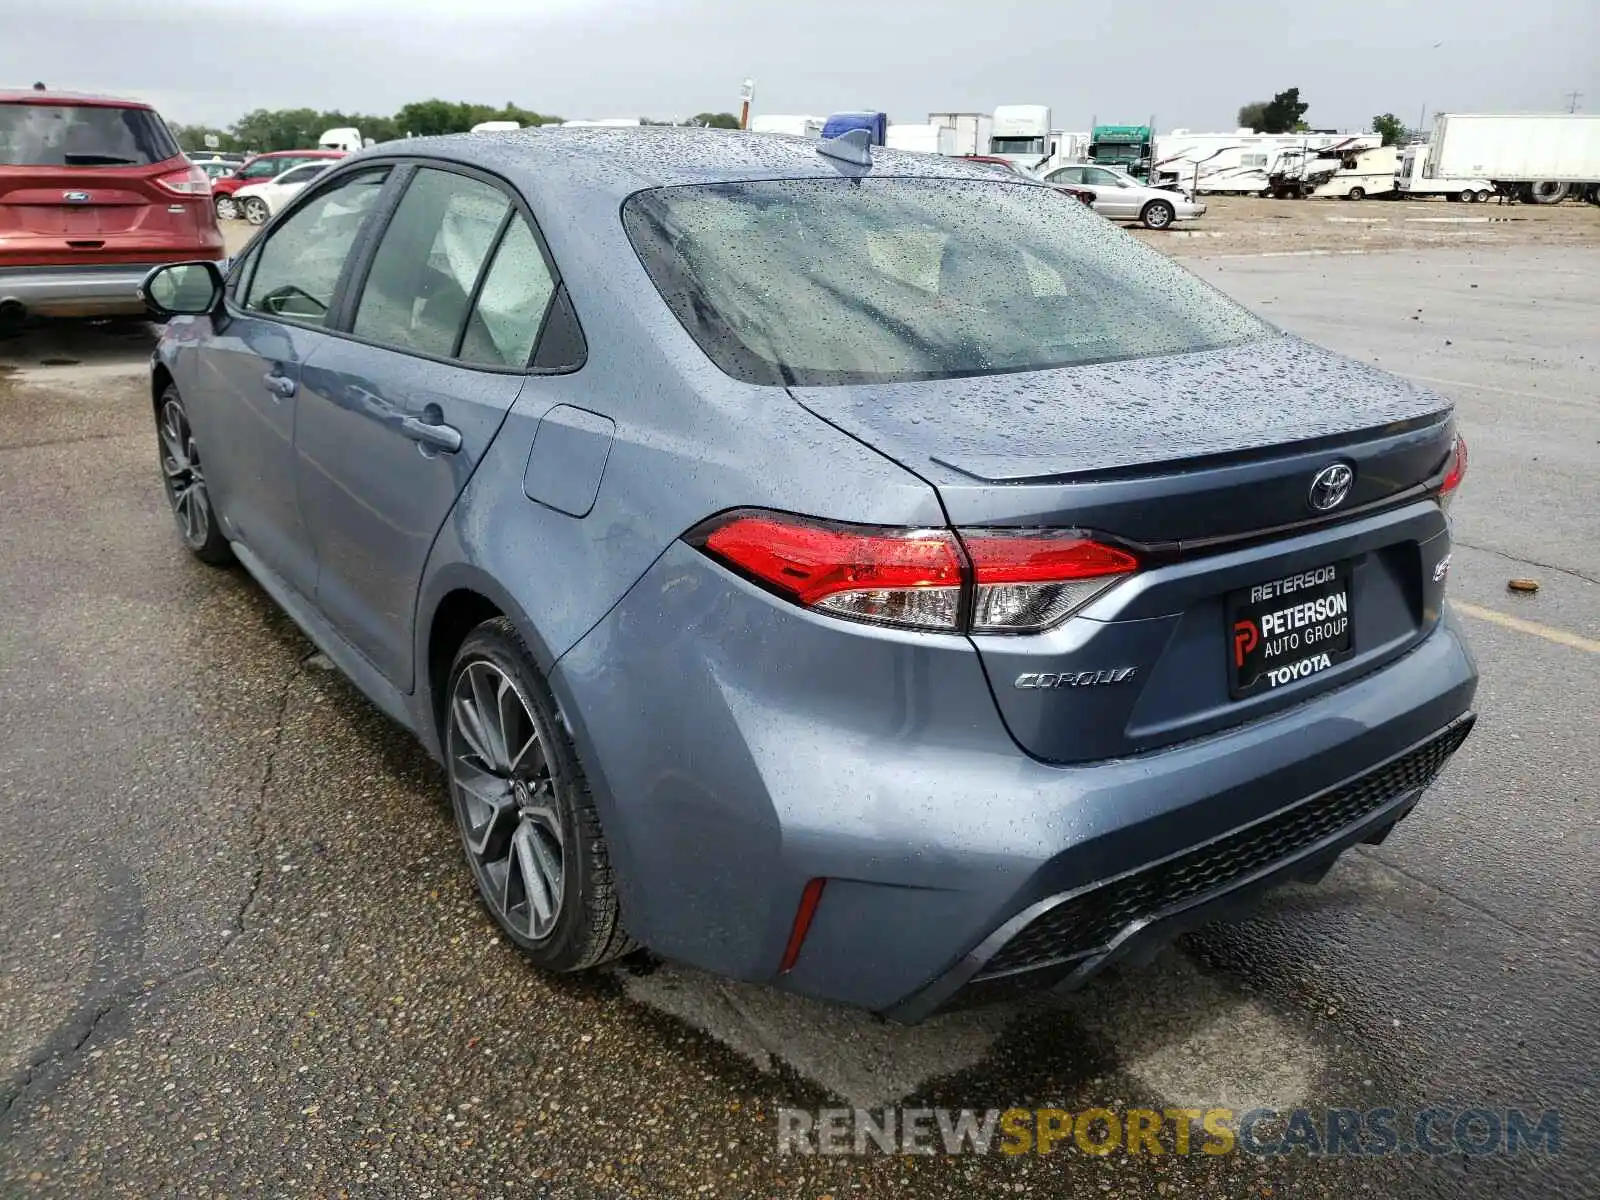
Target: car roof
[(83, 99), (316, 153), (618, 162)]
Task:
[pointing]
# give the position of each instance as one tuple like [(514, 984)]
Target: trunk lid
[(1204, 463)]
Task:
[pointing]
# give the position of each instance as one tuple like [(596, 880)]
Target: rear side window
[(297, 269), (834, 281), (426, 267), (511, 306), (82, 135)]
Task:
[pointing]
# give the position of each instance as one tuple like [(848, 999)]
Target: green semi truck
[(1127, 147)]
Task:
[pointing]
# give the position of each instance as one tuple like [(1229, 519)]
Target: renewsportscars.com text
[(1435, 1130)]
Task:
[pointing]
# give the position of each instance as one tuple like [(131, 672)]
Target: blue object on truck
[(875, 123)]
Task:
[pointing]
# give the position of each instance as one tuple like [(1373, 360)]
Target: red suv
[(93, 193), (258, 170)]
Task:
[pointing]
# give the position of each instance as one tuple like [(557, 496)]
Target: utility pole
[(1572, 101), (746, 92)]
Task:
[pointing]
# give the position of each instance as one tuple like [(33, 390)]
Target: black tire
[(585, 928), (227, 210), (255, 210), (1358, 193), (1466, 197), (1158, 214), (183, 478)]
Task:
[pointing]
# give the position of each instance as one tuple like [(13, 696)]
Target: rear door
[(246, 392), (98, 184), (395, 417)]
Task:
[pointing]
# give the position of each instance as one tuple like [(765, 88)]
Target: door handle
[(279, 385), (445, 438)]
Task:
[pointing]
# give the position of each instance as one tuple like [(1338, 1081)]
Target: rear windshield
[(82, 135), (821, 281)]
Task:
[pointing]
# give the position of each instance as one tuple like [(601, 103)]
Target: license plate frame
[(1277, 634)]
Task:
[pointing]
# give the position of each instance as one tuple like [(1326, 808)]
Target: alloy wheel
[(255, 211), (504, 792), (227, 209), (185, 481)]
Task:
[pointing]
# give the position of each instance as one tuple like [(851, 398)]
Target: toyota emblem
[(1330, 486)]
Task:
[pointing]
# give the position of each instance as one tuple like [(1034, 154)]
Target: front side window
[(821, 281), (297, 269), (426, 267), (262, 168), (1102, 178)]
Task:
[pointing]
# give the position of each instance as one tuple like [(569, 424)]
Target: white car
[(259, 201), (1123, 198)]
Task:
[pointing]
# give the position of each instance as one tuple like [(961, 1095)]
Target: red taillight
[(1029, 581), (1455, 472), (191, 181), (809, 898), (1017, 581), (888, 576)]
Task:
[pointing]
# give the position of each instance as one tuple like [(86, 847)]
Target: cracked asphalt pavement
[(240, 954)]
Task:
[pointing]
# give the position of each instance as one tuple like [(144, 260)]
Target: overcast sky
[(211, 60)]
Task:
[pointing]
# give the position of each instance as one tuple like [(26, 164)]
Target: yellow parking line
[(1559, 636)]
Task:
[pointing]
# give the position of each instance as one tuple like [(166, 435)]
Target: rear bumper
[(1063, 941), (77, 291), (740, 747)]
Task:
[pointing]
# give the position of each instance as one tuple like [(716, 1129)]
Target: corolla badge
[(1074, 679), (1330, 486)]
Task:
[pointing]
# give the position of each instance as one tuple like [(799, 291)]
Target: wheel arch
[(457, 600)]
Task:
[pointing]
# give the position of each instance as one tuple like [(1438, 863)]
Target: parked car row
[(262, 169), (1111, 193)]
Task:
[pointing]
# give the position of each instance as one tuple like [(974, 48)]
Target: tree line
[(299, 128), (1286, 113)]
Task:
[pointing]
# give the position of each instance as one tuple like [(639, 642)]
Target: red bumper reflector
[(802, 923)]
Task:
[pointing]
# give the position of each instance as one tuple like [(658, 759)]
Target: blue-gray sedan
[(843, 569)]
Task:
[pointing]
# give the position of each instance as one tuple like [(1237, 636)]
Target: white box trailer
[(1240, 161), (1541, 157), (1411, 178), (972, 130), (922, 139)]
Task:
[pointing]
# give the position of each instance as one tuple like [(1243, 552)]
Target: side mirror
[(189, 289)]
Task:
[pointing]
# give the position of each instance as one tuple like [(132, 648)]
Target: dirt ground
[(1250, 225)]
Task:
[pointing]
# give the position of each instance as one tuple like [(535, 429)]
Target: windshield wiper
[(97, 160)]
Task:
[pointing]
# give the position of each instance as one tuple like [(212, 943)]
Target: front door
[(1112, 198), (395, 418), (246, 405)]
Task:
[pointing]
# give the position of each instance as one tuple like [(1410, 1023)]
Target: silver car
[(1123, 198)]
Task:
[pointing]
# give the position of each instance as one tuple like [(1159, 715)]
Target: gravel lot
[(239, 952)]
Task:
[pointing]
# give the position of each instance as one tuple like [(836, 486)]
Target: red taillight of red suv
[(978, 580), (190, 181)]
